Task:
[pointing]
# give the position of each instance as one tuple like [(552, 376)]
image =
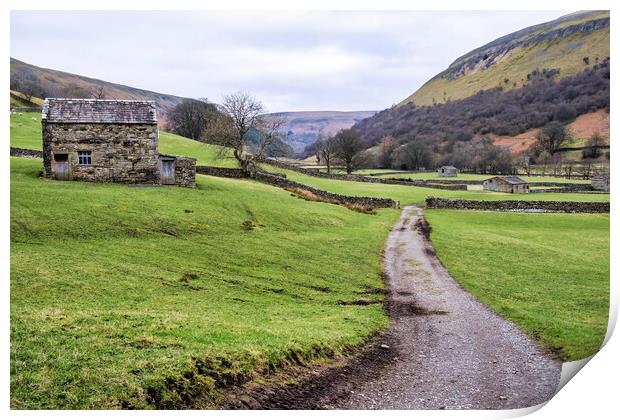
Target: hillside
[(569, 44), (42, 82), (496, 112), (304, 128)]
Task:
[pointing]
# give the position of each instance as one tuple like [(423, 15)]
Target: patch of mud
[(398, 309), (423, 227), (359, 302), (318, 389)]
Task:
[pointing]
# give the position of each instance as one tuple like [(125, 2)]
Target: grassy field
[(416, 195), (115, 290), (432, 175), (26, 133), (123, 296), (549, 273), (478, 177)]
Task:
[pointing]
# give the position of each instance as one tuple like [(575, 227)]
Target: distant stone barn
[(509, 184), (447, 171), (600, 182), (108, 140)]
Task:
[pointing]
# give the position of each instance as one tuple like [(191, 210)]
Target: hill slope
[(568, 44), (54, 83), (305, 127)]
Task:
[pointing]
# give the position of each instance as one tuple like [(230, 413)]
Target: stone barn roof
[(98, 111), (511, 179)]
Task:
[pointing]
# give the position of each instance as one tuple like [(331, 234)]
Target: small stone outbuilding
[(108, 140), (600, 182), (508, 184), (447, 171)]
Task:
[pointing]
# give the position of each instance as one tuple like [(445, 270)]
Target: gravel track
[(443, 349)]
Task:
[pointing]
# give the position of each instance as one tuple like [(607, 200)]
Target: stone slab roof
[(511, 179), (100, 111)]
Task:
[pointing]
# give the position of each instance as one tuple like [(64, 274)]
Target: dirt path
[(443, 350), (453, 352)]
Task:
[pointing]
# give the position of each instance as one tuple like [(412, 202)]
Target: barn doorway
[(167, 168), (62, 166)]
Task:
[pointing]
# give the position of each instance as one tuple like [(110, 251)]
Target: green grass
[(417, 195), (479, 177), (122, 293), (549, 273), (205, 154), (26, 133), (26, 130), (114, 289)]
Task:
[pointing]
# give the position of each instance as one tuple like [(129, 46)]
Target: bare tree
[(551, 136), (98, 92), (568, 168), (347, 144), (326, 150), (242, 126), (387, 145), (593, 147)]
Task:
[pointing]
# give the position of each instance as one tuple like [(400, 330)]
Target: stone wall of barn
[(601, 182), (185, 171), (125, 153)]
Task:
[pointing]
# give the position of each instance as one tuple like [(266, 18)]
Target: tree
[(190, 118), (241, 125), (98, 92), (347, 143), (568, 168), (525, 162), (387, 145), (593, 147), (551, 136), (415, 155), (326, 153)]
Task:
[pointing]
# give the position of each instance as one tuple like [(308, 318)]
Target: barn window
[(85, 157)]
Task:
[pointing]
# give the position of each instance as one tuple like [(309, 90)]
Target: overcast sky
[(291, 61)]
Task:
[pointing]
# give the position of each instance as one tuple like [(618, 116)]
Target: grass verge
[(549, 273)]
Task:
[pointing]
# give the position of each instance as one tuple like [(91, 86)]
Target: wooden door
[(62, 166), (167, 167)]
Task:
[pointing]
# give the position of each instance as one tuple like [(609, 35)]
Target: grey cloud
[(290, 60)]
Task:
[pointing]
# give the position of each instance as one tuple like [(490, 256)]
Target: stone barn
[(108, 140), (509, 184), (600, 182), (447, 171)]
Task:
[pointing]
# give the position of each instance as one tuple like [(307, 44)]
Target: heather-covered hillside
[(503, 113)]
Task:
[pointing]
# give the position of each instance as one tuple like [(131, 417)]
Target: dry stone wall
[(18, 151), (279, 180), (519, 205)]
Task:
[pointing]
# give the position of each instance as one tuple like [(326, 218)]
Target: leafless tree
[(387, 145), (98, 92), (326, 150), (568, 168), (242, 126)]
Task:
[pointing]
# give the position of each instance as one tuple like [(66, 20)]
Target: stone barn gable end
[(106, 140), (509, 184)]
